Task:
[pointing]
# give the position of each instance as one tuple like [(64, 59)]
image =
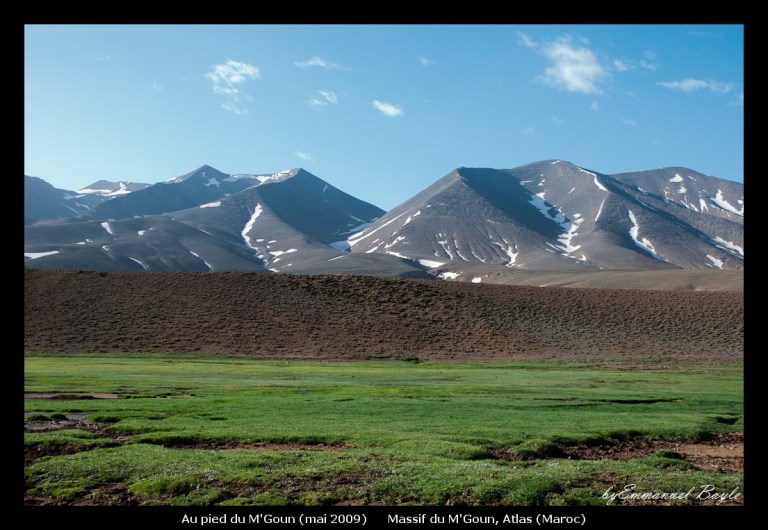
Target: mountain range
[(473, 224)]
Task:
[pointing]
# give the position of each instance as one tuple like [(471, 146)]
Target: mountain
[(204, 184), (477, 224), (43, 201), (105, 188), (556, 215), (284, 222)]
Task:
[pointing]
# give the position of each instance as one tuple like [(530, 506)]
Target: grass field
[(194, 429)]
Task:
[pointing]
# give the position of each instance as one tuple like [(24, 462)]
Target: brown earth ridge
[(357, 317)]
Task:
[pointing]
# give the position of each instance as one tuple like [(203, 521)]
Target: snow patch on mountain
[(105, 226), (458, 251), (569, 227), (249, 225), (720, 201), (235, 178), (105, 192), (36, 255), (431, 264), (411, 217), (716, 262), (395, 242), (446, 248), (509, 249), (730, 245), (214, 204), (195, 254), (281, 252), (600, 210), (566, 237), (277, 177), (143, 265), (643, 243), (475, 254), (538, 201), (354, 239), (597, 182)]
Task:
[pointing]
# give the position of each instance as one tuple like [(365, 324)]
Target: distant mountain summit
[(207, 220), (43, 201), (472, 223), (556, 215), (106, 188)]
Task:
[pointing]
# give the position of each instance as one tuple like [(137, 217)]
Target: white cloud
[(157, 87), (302, 155), (323, 99), (387, 108), (649, 66), (594, 106), (627, 121), (526, 41), (622, 66), (738, 101), (692, 85), (319, 62), (226, 77), (424, 61), (529, 131), (558, 122), (572, 68)]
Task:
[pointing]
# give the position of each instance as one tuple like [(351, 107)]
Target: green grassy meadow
[(366, 432)]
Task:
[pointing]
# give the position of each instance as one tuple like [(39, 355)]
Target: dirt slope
[(355, 317), (665, 280)]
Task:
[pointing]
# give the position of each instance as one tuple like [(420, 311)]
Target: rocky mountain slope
[(474, 224)]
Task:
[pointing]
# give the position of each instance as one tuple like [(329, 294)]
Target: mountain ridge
[(547, 215), (474, 215)]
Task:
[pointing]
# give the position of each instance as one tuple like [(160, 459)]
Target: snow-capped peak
[(279, 176), (106, 189)]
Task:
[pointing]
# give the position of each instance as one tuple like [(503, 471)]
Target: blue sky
[(379, 111)]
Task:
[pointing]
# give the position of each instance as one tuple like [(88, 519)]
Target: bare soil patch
[(724, 453), (73, 421), (363, 318)]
